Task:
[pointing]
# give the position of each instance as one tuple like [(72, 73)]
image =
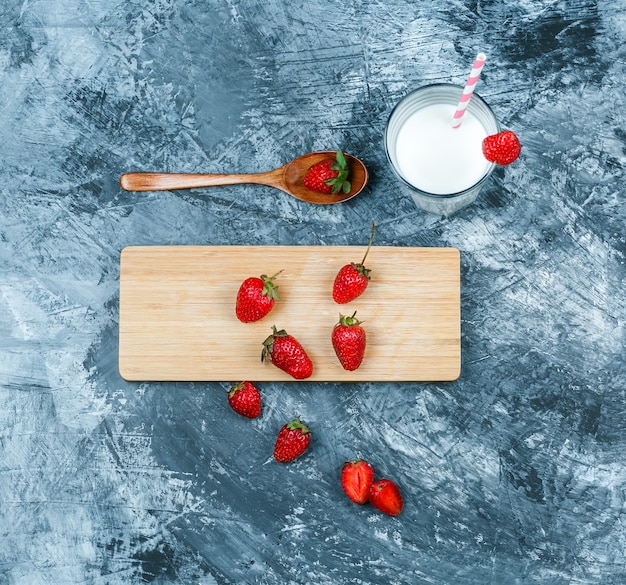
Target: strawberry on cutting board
[(356, 478), (329, 175), (385, 495), (245, 399), (502, 148), (352, 279), (256, 297), (349, 340), (292, 441), (286, 353)]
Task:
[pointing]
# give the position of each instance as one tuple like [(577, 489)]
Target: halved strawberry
[(385, 495), (356, 478)]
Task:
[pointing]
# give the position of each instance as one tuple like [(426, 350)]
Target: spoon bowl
[(287, 178)]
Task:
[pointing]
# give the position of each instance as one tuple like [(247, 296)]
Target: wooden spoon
[(287, 178)]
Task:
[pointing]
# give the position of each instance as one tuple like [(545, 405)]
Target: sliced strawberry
[(385, 495), (356, 478)]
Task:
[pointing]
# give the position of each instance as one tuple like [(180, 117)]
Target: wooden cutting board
[(178, 323)]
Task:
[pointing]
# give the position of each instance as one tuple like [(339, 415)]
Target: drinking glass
[(441, 167)]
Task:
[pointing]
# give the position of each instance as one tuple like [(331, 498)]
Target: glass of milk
[(443, 168)]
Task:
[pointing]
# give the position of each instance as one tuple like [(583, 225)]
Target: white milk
[(437, 158)]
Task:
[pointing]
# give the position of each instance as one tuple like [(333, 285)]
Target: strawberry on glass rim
[(502, 148)]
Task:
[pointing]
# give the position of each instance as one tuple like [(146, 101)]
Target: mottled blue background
[(514, 474)]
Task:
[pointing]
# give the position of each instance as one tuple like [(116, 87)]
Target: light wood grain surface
[(178, 323)]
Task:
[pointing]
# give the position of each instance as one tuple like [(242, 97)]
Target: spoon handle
[(173, 181)]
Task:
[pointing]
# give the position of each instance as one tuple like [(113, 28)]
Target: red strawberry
[(293, 440), (348, 338), (245, 399), (356, 478), (256, 297), (329, 175), (352, 279), (286, 353), (502, 148), (385, 495)]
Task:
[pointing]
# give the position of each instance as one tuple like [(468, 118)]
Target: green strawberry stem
[(268, 344), (269, 289), (349, 321), (235, 389), (296, 424), (368, 246)]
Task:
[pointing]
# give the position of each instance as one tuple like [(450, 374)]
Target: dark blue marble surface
[(514, 474)]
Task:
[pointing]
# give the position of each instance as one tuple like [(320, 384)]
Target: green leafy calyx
[(340, 183)]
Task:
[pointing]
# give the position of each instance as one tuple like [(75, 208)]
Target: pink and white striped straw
[(468, 90)]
